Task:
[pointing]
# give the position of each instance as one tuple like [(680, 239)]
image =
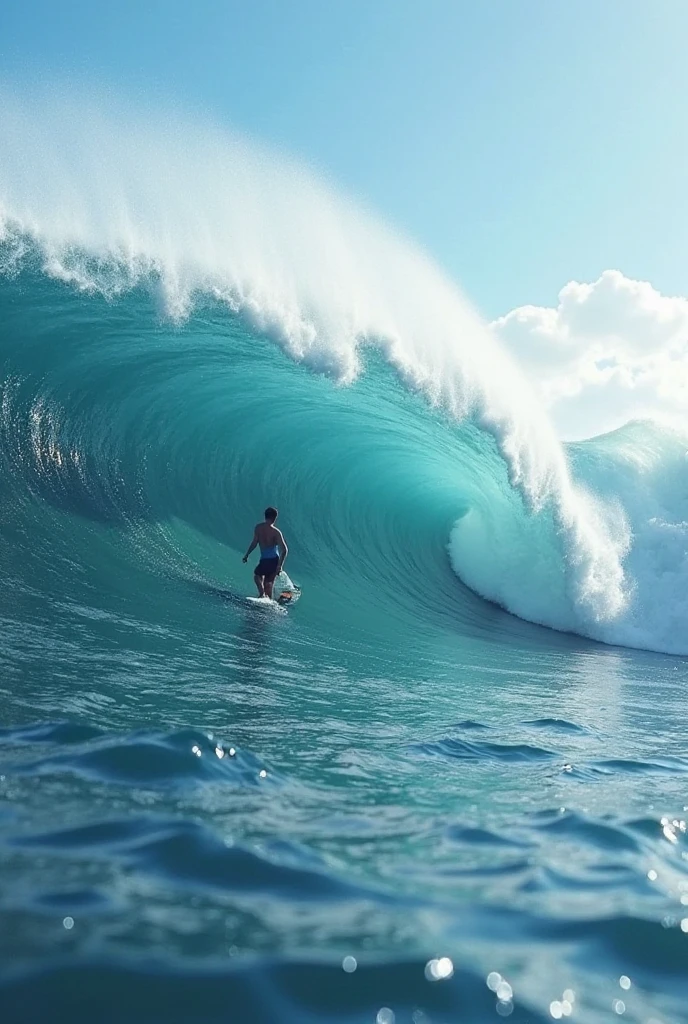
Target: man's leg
[(269, 580), (258, 580)]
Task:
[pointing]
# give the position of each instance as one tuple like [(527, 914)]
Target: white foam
[(644, 467), (266, 604)]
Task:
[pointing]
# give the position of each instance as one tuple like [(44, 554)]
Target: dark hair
[(271, 513)]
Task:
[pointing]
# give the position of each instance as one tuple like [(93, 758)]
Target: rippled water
[(187, 841)]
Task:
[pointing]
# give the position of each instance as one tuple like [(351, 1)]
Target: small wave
[(191, 855), (606, 836), (182, 759), (464, 750), (556, 725), (483, 837), (631, 766), (60, 733)]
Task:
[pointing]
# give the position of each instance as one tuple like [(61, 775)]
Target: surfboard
[(266, 604), (286, 593), (285, 598)]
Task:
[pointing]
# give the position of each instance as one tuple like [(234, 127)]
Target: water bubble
[(566, 1007), (263, 774), (504, 1007), (504, 991), (618, 1006), (652, 875), (196, 750), (569, 995), (385, 1015), (625, 982), (220, 752), (493, 980), (668, 831), (555, 1009), (349, 964), (684, 924), (439, 970), (68, 923)]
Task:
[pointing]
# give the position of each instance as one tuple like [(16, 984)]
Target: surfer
[(270, 539)]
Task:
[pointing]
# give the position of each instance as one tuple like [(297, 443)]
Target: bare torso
[(267, 535)]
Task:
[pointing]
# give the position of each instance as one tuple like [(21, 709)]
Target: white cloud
[(610, 351)]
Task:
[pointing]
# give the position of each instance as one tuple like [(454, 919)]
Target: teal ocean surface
[(452, 782)]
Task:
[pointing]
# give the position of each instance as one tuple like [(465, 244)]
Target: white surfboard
[(266, 604), (286, 593)]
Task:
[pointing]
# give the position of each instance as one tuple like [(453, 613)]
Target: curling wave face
[(305, 266), (232, 231)]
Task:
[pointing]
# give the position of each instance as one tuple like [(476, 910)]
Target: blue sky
[(522, 142)]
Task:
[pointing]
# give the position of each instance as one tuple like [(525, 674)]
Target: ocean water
[(452, 782)]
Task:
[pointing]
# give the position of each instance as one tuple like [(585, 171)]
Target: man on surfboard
[(270, 539)]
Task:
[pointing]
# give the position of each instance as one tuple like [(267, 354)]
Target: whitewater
[(462, 747)]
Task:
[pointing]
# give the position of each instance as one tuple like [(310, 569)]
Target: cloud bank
[(608, 352)]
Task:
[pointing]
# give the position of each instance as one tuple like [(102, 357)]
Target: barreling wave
[(149, 266)]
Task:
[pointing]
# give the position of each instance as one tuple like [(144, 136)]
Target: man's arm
[(283, 544), (253, 544)]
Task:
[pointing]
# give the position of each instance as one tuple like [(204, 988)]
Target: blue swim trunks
[(267, 568)]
